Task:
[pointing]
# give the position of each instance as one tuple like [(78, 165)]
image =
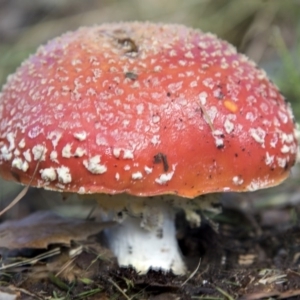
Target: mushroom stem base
[(148, 242)]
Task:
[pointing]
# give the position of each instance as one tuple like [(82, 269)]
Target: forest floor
[(255, 251)]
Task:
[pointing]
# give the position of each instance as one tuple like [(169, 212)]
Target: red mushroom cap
[(144, 109)]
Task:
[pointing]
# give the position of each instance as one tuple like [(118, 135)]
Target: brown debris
[(43, 228)]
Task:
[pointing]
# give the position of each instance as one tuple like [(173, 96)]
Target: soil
[(236, 256)]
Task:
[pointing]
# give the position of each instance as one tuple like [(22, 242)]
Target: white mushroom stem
[(147, 241)]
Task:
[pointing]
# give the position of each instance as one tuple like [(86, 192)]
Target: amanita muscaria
[(155, 115)]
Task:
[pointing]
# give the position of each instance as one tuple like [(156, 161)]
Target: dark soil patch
[(240, 261)]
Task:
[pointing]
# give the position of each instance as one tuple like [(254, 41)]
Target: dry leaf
[(43, 228)]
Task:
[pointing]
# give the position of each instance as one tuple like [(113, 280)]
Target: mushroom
[(145, 118)]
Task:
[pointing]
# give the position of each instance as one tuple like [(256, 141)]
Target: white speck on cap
[(208, 82), (81, 136), (39, 152), (17, 152), (100, 140), (20, 164), (140, 108), (66, 151), (283, 117), (193, 84), (48, 174), (79, 152), (174, 87), (137, 175), (202, 98), (258, 134), (35, 132), (93, 165), (127, 168), (27, 155), (212, 113), (155, 119), (11, 139), (281, 162), (76, 62), (53, 156), (165, 177), (128, 154), (218, 136), (287, 138), (148, 170), (117, 152), (155, 140), (5, 153), (250, 116), (60, 186), (64, 175), (54, 136), (22, 143), (237, 180), (285, 149), (189, 54), (172, 53), (229, 126), (81, 190), (182, 62), (269, 159), (258, 184), (157, 68)]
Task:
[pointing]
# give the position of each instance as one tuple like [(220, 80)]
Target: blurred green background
[(267, 31)]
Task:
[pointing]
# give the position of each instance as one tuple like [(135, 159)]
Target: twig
[(119, 289), (192, 274), (91, 212), (65, 266), (224, 293), (13, 288), (207, 118), (24, 190), (17, 199), (33, 260)]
